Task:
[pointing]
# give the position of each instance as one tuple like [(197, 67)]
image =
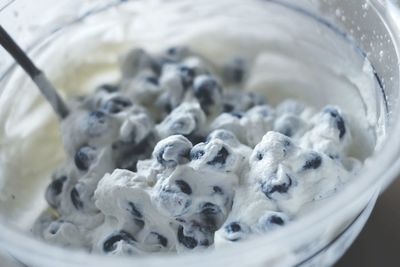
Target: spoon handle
[(38, 77)]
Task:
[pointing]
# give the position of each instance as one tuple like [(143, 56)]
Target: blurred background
[(379, 242)]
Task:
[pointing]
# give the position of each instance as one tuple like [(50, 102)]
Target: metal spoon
[(38, 77)]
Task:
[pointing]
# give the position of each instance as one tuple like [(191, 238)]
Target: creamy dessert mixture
[(178, 156)]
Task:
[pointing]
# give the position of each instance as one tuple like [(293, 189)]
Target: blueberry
[(228, 108), (172, 51), (168, 108), (259, 156), (116, 104), (233, 227), (160, 155), (161, 239), (206, 89), (235, 231), (84, 157), (233, 71), (338, 119), (196, 154), (134, 211), (210, 208), (271, 186), (288, 131), (313, 163), (236, 114), (220, 158), (209, 214), (175, 54), (274, 219), (96, 123), (128, 153), (205, 243), (75, 198), (195, 138), (108, 88), (139, 223), (187, 241), (271, 220), (187, 76), (54, 190), (217, 190), (153, 80), (184, 187), (110, 244)]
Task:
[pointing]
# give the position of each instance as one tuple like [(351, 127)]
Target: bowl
[(77, 44)]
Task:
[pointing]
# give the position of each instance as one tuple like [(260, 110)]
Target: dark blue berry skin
[(208, 217), (139, 223), (174, 54), (195, 138), (235, 231), (268, 189), (274, 219), (228, 108), (313, 163), (134, 211), (187, 241), (110, 244), (220, 158), (127, 154), (54, 190), (116, 105), (270, 221), (286, 131), (184, 187), (233, 227), (160, 158), (83, 158), (259, 156), (153, 80), (76, 200), (218, 190), (236, 114), (196, 154), (338, 119), (172, 51), (187, 76), (204, 90), (161, 239), (109, 88), (234, 71)]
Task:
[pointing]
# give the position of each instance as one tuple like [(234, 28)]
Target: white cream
[(308, 63)]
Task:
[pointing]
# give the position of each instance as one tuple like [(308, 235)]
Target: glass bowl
[(365, 33)]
